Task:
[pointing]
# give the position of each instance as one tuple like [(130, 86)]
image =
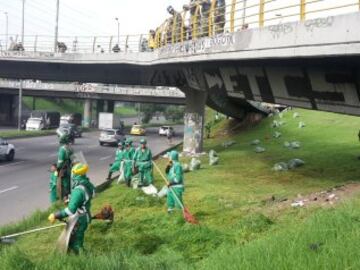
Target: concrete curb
[(103, 186)]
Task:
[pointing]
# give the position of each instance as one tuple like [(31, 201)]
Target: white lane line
[(105, 158), (12, 164), (8, 189), (53, 155)]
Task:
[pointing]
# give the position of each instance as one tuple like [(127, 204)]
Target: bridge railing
[(194, 22)]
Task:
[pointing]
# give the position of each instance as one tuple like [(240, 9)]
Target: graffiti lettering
[(280, 30), (311, 25)]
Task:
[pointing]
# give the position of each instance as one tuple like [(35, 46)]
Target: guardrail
[(95, 88), (212, 17)]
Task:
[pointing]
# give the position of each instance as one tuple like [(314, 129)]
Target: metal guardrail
[(195, 22), (95, 88)]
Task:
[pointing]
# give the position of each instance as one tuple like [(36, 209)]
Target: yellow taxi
[(137, 130)]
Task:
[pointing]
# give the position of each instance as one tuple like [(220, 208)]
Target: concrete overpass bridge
[(313, 64)]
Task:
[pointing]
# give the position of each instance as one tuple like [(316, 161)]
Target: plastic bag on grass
[(163, 192), (228, 144), (255, 142), (185, 167), (277, 135), (259, 149), (302, 125), (296, 115), (281, 166), (195, 164), (295, 163), (295, 145)]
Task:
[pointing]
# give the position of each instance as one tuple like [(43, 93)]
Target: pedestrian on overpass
[(205, 15), (220, 16), (119, 156), (79, 206), (175, 176), (174, 26), (64, 165), (143, 163), (52, 184)]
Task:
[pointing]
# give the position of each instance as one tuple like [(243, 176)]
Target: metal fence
[(197, 21)]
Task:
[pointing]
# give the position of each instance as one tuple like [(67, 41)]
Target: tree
[(174, 113)]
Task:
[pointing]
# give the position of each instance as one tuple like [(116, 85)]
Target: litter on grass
[(302, 125), (195, 164), (295, 163), (259, 149), (213, 158), (185, 167), (292, 145), (228, 144), (281, 166), (277, 135), (296, 115), (255, 142)]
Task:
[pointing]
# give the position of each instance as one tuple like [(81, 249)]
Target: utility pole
[(21, 81), (244, 13), (118, 29), (7, 30), (56, 25)]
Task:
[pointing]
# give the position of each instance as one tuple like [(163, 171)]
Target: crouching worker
[(175, 177), (79, 206), (119, 156)]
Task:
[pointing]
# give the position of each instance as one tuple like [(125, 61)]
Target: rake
[(186, 213)]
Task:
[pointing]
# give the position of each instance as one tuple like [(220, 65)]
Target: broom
[(186, 213)]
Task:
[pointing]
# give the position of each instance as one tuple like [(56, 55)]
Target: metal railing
[(198, 21)]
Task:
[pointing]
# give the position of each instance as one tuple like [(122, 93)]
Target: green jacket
[(53, 180), (64, 157), (119, 155), (143, 158), (176, 175), (80, 198)]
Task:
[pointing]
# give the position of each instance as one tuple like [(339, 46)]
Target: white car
[(165, 130), (7, 150)]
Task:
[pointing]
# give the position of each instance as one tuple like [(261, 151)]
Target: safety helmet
[(79, 169), (174, 155), (64, 139), (143, 141), (122, 144), (129, 141)]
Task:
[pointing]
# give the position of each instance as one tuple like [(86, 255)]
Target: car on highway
[(111, 136), (166, 130), (137, 130), (7, 150), (69, 129)]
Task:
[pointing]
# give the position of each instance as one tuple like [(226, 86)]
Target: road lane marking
[(105, 158), (53, 155), (12, 164), (8, 189)]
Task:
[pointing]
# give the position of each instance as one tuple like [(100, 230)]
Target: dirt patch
[(323, 198), (234, 126)]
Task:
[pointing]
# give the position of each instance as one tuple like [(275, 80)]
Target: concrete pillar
[(87, 113), (110, 106), (194, 121)]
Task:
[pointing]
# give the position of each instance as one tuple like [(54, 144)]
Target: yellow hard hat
[(80, 169)]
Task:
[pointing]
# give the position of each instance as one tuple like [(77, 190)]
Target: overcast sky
[(94, 17)]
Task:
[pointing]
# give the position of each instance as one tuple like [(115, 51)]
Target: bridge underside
[(329, 84)]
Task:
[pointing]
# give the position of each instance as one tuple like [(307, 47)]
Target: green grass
[(23, 133), (67, 106), (238, 228), (125, 111)]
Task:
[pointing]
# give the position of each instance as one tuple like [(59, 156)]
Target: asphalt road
[(24, 182)]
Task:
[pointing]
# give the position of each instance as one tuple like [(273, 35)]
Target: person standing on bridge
[(64, 165), (174, 26), (143, 163), (119, 156), (175, 176), (205, 14), (79, 205), (220, 16)]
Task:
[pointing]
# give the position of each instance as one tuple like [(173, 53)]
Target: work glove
[(52, 218)]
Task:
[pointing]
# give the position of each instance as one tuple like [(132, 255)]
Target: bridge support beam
[(7, 109), (87, 113), (194, 121), (110, 106)]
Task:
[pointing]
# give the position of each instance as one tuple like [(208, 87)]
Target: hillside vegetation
[(242, 204)]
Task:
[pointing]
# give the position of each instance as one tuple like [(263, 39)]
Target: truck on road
[(73, 118), (43, 120), (109, 121)]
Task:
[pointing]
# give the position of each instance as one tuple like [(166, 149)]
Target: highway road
[(24, 182)]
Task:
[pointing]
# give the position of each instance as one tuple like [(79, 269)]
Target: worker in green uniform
[(175, 177), (52, 184), (119, 156), (80, 203), (143, 163), (128, 161), (64, 164)]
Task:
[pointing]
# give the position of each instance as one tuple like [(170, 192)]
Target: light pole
[(23, 22), (7, 29), (118, 29), (244, 13), (21, 81), (56, 25)]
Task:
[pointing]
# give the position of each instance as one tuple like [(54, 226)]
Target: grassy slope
[(238, 229), (125, 111), (70, 106), (16, 134)]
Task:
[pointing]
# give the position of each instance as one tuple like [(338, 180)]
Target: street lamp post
[(7, 30), (118, 30), (56, 25), (244, 13), (23, 22), (21, 81)]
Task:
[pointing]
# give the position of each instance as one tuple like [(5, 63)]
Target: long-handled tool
[(186, 213), (10, 238)]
